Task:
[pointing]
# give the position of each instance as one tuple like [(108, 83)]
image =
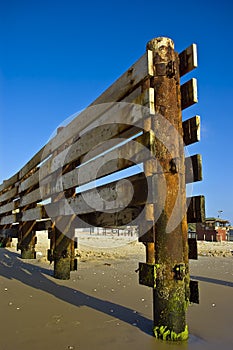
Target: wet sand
[(103, 306)]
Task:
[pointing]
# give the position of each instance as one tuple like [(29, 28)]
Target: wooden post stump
[(27, 242)]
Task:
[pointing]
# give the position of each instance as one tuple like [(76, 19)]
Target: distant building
[(230, 233), (214, 229)]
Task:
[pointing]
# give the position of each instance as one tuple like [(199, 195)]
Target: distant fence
[(127, 126)]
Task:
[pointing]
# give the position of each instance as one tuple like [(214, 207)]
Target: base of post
[(28, 254), (164, 333), (62, 268), (5, 242)]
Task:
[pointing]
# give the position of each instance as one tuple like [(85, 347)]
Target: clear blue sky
[(56, 57)]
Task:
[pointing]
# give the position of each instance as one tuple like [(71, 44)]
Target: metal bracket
[(179, 271), (170, 69)]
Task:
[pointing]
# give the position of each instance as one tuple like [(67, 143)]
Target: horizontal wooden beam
[(9, 182), (9, 194), (113, 196), (196, 209), (31, 197), (7, 208), (188, 59), (29, 182), (135, 151), (191, 130), (9, 219), (193, 168), (111, 220), (188, 93), (37, 213)]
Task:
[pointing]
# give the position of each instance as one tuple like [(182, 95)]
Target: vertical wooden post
[(27, 242), (170, 296), (63, 241)]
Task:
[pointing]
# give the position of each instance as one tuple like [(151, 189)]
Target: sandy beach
[(103, 306)]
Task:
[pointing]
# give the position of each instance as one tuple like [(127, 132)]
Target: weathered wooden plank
[(6, 208), (83, 145), (37, 213), (189, 93), (9, 194), (128, 111), (9, 182), (193, 168), (196, 209), (111, 220), (191, 130), (135, 151), (142, 69), (188, 59), (9, 219), (29, 182), (36, 160), (32, 197), (115, 195)]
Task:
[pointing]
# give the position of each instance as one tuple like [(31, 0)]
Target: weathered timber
[(193, 168), (192, 242), (9, 194), (194, 292), (189, 93), (36, 213), (113, 196), (147, 274), (8, 219), (188, 59), (9, 182), (129, 154), (6, 208), (63, 247), (111, 220), (92, 140), (27, 239), (29, 182), (196, 209), (171, 252), (36, 160), (191, 130), (31, 197)]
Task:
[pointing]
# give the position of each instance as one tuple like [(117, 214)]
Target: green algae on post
[(164, 333)]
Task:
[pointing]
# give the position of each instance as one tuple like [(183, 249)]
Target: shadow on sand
[(12, 267)]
